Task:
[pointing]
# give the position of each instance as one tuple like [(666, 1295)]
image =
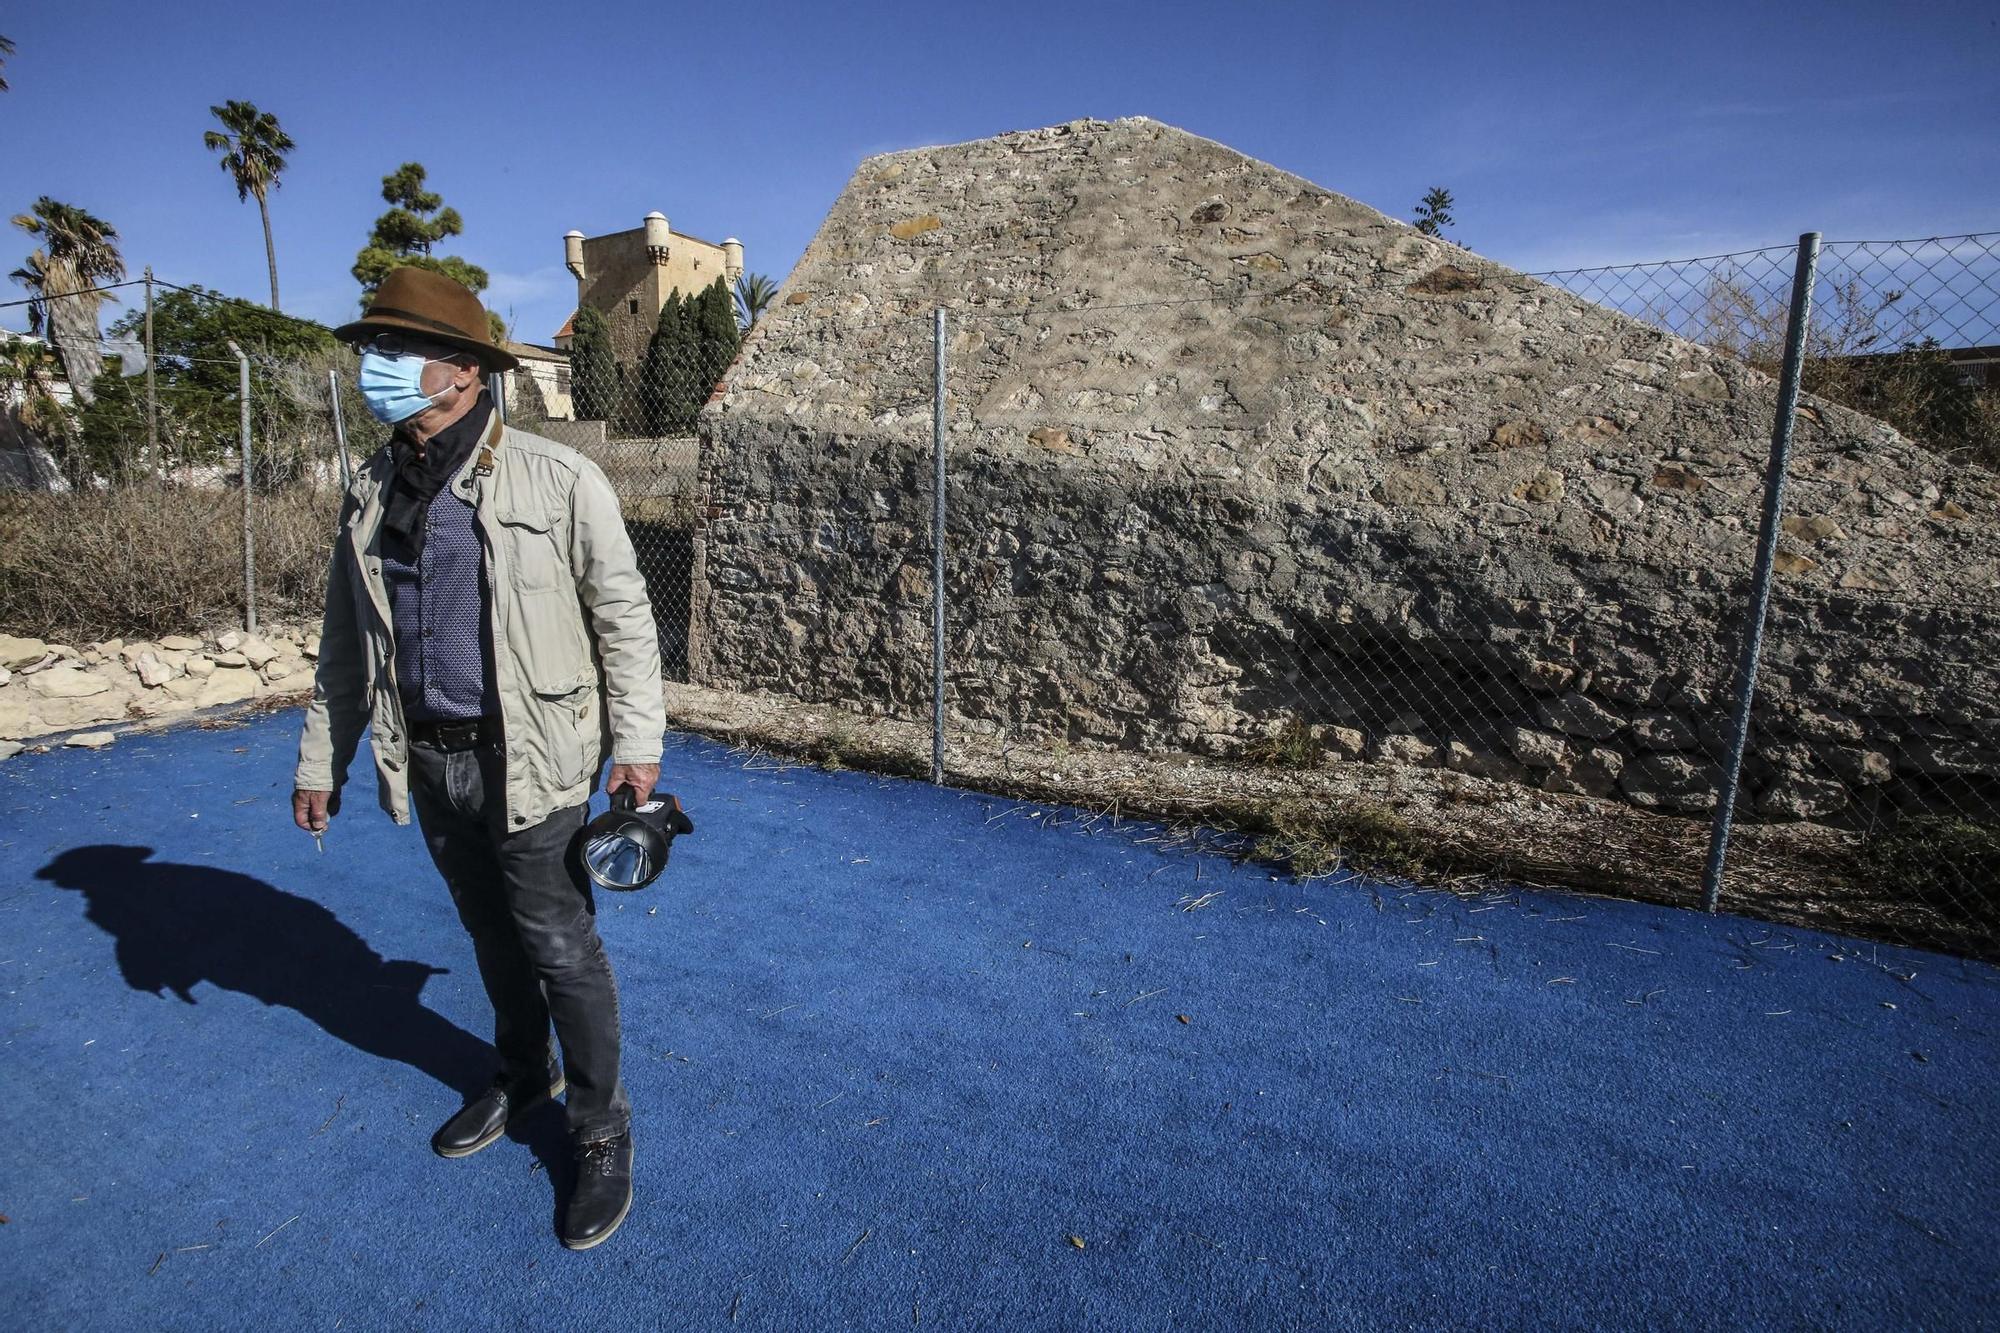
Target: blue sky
[(1570, 133)]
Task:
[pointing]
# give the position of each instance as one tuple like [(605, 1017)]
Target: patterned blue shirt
[(438, 607)]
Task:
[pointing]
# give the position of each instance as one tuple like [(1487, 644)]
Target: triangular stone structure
[(1227, 450)]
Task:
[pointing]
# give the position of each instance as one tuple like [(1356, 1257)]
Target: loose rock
[(67, 683), (16, 653)]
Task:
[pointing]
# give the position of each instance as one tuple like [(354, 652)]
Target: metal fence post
[(339, 429), (1767, 549), (937, 550), (249, 539), (152, 402)]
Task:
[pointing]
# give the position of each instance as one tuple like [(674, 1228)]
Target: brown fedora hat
[(416, 300)]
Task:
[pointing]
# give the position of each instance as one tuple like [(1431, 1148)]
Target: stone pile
[(47, 688)]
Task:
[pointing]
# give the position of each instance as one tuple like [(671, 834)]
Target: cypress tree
[(718, 338), (593, 379), (660, 376)]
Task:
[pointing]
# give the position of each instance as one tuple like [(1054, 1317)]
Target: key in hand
[(319, 842)]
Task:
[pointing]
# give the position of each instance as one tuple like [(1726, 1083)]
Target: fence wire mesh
[(1495, 622), (816, 547), (1463, 556), (637, 423)]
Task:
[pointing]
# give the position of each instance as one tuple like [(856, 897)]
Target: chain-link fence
[(134, 507), (638, 424), (1454, 567), (1873, 755), (1469, 563), (1904, 331)]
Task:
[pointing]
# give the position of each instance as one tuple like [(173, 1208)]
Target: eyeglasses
[(398, 345)]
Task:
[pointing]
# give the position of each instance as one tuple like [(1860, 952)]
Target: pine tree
[(1434, 211), (111, 429), (416, 221), (593, 378)]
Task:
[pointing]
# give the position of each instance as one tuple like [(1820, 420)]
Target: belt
[(465, 734)]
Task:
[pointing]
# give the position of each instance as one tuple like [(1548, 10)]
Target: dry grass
[(150, 560), (1313, 839), (1447, 280), (1427, 826)]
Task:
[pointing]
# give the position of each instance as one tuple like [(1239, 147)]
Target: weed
[(835, 747), (142, 561), (1292, 746), (1317, 840), (1950, 864)]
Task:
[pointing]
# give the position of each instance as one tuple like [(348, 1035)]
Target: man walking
[(486, 617)]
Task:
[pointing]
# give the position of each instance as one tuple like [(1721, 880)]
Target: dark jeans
[(533, 924)]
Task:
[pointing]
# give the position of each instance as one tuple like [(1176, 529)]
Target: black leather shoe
[(603, 1191), (485, 1117)]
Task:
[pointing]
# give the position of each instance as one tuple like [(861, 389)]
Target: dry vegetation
[(1863, 349), (1424, 826), (143, 561)]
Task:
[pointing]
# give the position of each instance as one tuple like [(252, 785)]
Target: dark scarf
[(418, 479)]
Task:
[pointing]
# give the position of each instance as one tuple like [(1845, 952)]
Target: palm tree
[(27, 372), (6, 49), (754, 292), (32, 273), (78, 254), (253, 153), (27, 393)]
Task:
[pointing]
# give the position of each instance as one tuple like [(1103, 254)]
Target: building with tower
[(628, 276)]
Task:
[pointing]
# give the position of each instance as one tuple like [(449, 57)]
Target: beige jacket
[(576, 654)]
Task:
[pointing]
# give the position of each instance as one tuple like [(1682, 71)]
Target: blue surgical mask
[(392, 386)]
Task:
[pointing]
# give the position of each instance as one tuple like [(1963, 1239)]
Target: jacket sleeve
[(620, 616), (339, 708)]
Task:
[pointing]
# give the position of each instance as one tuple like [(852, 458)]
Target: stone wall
[(1229, 453)]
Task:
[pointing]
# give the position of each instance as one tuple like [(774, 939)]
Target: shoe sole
[(603, 1235), (556, 1089)]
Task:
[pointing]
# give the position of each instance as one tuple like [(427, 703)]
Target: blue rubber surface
[(890, 1046)]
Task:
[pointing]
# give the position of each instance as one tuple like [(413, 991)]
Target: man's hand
[(309, 809), (639, 777)]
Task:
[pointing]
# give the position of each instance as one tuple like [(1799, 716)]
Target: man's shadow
[(176, 925)]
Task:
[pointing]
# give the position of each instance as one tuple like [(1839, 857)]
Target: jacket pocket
[(562, 685), (536, 560), (567, 710)]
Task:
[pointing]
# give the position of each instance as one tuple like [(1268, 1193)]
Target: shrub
[(1866, 351), (150, 560)]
